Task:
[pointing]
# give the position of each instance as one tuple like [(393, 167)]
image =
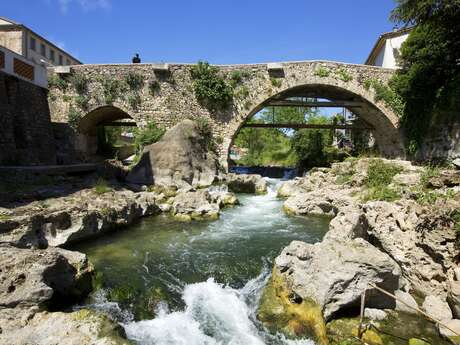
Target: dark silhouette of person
[(136, 59)]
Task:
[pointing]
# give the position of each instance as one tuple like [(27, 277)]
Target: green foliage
[(386, 94), (74, 117), (147, 135), (82, 101), (429, 78), (79, 83), (205, 130), (101, 186), (428, 173), (276, 82), (66, 98), (124, 294), (134, 100), (343, 75), (379, 176), (456, 218), (322, 72), (242, 92), (134, 81), (56, 82), (211, 89), (112, 88), (154, 87)]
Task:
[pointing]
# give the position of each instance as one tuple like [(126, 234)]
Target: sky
[(218, 31)]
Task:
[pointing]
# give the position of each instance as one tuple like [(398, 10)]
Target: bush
[(147, 136), (74, 117), (211, 89), (56, 82), (79, 82), (322, 72), (275, 82), (111, 89), (205, 130), (379, 176), (343, 75), (101, 186), (154, 87), (82, 101), (134, 100), (134, 81), (387, 94)]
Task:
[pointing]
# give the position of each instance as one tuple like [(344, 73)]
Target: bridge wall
[(173, 97)]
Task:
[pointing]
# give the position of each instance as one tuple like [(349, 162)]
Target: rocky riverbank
[(395, 225), (37, 278)]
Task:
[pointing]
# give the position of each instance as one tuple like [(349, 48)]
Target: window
[(68, 62), (61, 62), (33, 44), (52, 55), (43, 50)]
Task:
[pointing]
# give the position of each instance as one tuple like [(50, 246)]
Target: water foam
[(214, 315)]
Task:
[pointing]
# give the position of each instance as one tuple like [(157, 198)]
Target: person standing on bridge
[(136, 58)]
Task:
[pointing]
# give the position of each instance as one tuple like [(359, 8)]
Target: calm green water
[(197, 283)]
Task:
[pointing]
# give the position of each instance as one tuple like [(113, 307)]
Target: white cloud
[(86, 5)]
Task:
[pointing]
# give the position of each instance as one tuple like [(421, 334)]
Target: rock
[(453, 298), (180, 158), (416, 239), (194, 205), (453, 325), (30, 278), (457, 273), (407, 179), (456, 163), (408, 300), (447, 178), (335, 273), (291, 187), (415, 341), (246, 183), (76, 328), (375, 314), (349, 223), (437, 308), (78, 216)]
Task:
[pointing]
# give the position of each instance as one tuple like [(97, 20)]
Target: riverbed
[(170, 282)]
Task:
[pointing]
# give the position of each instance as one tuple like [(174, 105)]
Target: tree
[(429, 78)]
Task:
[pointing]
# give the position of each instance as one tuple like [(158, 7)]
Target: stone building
[(23, 41), (386, 49)]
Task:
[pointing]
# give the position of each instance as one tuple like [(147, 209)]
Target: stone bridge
[(86, 96)]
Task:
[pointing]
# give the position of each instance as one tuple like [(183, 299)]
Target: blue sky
[(219, 31)]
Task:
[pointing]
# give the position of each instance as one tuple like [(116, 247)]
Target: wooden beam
[(118, 124), (304, 125), (332, 104)]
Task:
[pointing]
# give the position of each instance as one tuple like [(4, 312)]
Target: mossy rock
[(280, 309), (415, 341)]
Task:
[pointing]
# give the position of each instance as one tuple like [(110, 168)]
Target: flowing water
[(199, 282)]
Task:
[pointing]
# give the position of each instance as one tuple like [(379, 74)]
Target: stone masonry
[(25, 125), (168, 96)]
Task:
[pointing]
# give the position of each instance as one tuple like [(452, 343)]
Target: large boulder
[(195, 205), (76, 328), (31, 278), (335, 273), (246, 183), (437, 308), (180, 158), (453, 298)]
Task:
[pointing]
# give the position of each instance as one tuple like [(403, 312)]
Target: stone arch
[(385, 123), (86, 139)]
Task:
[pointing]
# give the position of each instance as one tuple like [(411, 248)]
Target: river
[(197, 283)]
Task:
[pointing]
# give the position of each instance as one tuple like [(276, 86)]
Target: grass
[(379, 176), (456, 218), (275, 82), (101, 186)]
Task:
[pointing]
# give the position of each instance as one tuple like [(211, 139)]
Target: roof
[(9, 20), (381, 41), (22, 26)]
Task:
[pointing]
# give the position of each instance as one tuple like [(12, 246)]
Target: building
[(386, 49), (23, 41)]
